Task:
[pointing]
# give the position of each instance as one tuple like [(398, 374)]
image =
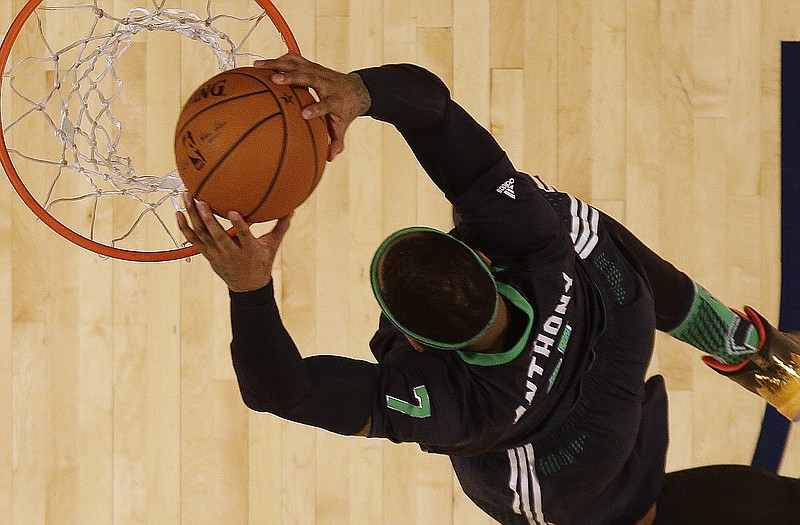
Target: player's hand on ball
[(342, 97), (243, 261)]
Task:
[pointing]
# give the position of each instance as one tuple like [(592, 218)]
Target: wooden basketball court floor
[(118, 403)]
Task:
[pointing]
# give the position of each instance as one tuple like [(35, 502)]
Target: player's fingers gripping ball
[(242, 145)]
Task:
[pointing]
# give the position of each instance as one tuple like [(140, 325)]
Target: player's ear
[(486, 260), (416, 344)]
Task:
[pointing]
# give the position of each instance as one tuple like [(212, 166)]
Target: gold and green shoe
[(773, 371)]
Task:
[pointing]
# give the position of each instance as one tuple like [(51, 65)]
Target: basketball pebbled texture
[(241, 144)]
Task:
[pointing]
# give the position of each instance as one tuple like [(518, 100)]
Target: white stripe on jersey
[(583, 228), (525, 485), (594, 220), (537, 489), (513, 477), (585, 220), (541, 184), (524, 489)]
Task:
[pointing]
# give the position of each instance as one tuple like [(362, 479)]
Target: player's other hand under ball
[(342, 97), (243, 261)]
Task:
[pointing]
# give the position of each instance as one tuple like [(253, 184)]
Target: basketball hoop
[(62, 142)]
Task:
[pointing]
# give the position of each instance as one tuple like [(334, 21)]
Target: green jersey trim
[(484, 359), (376, 289)]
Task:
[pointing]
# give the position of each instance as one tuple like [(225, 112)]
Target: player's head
[(434, 288)]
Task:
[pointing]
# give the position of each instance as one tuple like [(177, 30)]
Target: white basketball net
[(79, 107)]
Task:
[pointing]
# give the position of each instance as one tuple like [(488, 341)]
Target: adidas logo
[(507, 188)]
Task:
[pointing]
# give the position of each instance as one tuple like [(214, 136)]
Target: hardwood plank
[(508, 122), (608, 137), (574, 99), (435, 52), (542, 63), (471, 58), (434, 13), (507, 22)]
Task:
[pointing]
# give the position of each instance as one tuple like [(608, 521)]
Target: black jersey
[(548, 432), (557, 429), (483, 402)]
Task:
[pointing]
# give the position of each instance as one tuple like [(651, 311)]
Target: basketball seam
[(215, 104), (315, 180), (278, 169), (227, 153), (259, 80), (283, 150)]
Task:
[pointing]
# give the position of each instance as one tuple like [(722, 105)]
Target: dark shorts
[(713, 495), (602, 462)]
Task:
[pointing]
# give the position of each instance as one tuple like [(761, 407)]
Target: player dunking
[(517, 344)]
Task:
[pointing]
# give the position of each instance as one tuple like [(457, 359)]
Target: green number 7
[(421, 409)]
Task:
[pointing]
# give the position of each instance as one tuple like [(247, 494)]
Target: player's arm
[(413, 398), (452, 147), (456, 151), (329, 392), (500, 211)]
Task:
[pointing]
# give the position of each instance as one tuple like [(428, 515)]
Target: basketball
[(242, 145)]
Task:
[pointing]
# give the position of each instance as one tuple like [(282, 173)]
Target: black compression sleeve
[(405, 95), (450, 145), (329, 392), (269, 368)]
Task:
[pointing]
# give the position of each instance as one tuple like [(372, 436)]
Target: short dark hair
[(435, 286)]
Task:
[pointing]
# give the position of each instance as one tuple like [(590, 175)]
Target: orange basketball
[(242, 145)]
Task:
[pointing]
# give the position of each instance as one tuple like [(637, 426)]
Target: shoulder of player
[(499, 180)]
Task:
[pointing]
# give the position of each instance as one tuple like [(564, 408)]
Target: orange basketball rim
[(179, 250)]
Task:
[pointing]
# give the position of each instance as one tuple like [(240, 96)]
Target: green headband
[(418, 337)]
